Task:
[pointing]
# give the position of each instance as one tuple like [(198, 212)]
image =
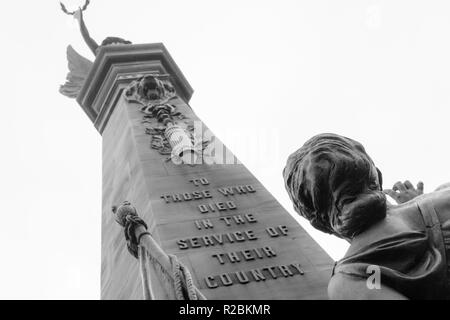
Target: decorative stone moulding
[(151, 90), (153, 93)]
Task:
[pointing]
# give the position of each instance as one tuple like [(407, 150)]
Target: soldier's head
[(334, 184)]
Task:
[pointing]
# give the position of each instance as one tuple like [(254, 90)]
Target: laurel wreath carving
[(83, 8)]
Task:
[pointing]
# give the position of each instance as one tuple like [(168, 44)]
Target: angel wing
[(79, 68)]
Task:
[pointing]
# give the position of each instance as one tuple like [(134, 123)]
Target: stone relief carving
[(171, 131), (151, 91)]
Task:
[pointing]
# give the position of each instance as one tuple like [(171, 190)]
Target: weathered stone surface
[(237, 246)]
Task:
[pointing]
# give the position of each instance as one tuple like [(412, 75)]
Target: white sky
[(267, 76)]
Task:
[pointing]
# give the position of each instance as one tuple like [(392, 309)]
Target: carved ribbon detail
[(172, 132)]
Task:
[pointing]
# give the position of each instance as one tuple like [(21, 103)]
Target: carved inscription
[(187, 196), (216, 239), (217, 206), (231, 218), (199, 181), (258, 274), (230, 191), (245, 255), (239, 219)]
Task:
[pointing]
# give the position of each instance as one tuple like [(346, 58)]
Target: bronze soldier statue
[(334, 184)]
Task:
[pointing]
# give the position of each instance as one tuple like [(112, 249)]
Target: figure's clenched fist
[(78, 15)]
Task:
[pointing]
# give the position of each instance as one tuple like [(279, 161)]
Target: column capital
[(115, 67)]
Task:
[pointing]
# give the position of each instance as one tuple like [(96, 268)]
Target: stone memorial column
[(200, 203)]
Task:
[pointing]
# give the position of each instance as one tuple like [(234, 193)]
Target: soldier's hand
[(403, 192)]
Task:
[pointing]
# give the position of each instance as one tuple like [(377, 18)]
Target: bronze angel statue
[(80, 66)]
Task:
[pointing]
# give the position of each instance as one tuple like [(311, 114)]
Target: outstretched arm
[(85, 33)]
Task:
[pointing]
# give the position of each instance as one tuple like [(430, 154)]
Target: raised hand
[(78, 15), (403, 192)]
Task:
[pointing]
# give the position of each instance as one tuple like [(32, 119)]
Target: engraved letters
[(225, 207)]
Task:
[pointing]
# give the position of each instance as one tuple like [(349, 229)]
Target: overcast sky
[(267, 76)]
